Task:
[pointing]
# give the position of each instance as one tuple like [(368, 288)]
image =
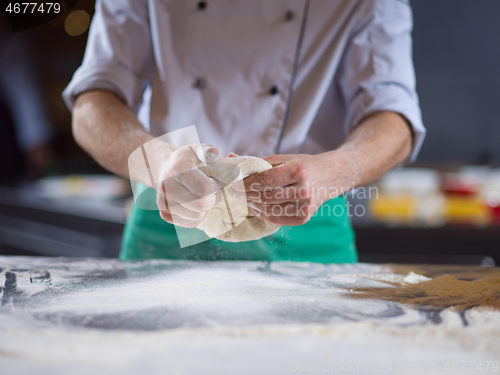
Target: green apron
[(328, 237)]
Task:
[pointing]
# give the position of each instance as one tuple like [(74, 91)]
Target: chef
[(323, 90)]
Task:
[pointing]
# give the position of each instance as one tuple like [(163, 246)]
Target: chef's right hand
[(185, 193)]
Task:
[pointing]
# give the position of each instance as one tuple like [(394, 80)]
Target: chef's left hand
[(289, 193), (292, 191)]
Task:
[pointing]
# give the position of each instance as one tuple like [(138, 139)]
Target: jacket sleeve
[(378, 73), (119, 53)]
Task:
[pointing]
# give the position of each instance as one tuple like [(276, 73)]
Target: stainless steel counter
[(81, 315)]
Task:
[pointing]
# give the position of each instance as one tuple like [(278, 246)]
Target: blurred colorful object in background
[(427, 197), (83, 186)]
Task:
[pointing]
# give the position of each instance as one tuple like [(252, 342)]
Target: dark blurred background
[(56, 55), (46, 207), (456, 54)]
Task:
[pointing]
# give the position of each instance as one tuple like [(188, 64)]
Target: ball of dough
[(217, 222)]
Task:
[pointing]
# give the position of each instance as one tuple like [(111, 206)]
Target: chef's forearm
[(108, 130), (379, 143)]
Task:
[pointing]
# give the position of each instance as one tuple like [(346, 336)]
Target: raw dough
[(217, 223)]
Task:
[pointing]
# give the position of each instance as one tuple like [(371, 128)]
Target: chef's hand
[(289, 193), (185, 193)]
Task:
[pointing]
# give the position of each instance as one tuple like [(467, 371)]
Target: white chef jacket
[(256, 77)]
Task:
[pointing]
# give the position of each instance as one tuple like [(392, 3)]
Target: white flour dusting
[(230, 317)]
